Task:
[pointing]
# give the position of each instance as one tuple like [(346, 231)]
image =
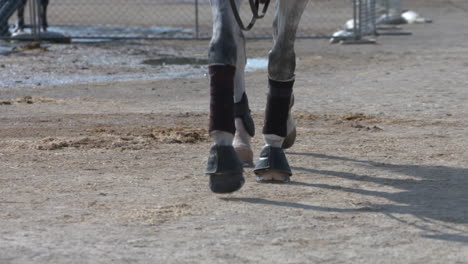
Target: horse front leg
[(279, 128), (224, 167)]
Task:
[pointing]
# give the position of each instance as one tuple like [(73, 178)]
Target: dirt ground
[(102, 157)]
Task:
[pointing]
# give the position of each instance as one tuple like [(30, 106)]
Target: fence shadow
[(436, 195)]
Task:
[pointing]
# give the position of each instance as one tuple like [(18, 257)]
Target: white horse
[(231, 126)]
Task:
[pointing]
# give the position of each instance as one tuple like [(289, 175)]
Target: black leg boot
[(273, 159), (224, 167)]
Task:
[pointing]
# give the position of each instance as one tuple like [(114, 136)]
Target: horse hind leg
[(245, 127), (245, 130), (279, 129)]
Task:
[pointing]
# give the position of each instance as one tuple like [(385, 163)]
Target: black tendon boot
[(242, 111), (243, 149), (291, 137), (273, 159), (224, 167)]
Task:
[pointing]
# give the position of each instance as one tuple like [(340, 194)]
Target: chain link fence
[(170, 18), (186, 19)]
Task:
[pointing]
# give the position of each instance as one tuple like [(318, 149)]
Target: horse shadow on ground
[(436, 195)]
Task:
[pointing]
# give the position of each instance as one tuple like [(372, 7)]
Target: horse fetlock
[(242, 113), (241, 143), (222, 138), (273, 140), (242, 137), (245, 155), (290, 139)]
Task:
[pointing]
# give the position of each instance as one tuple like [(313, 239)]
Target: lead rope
[(254, 7)]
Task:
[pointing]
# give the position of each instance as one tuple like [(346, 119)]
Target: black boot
[(279, 103), (224, 167)]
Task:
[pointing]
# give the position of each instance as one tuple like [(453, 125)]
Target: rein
[(255, 8)]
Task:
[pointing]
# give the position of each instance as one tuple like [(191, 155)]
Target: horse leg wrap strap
[(222, 98), (242, 111), (272, 159), (225, 170), (277, 110)]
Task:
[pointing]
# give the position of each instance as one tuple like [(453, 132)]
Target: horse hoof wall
[(226, 183), (273, 177), (272, 166)]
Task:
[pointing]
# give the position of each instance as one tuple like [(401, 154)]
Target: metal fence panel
[(192, 18), (122, 18), (366, 17), (175, 18)]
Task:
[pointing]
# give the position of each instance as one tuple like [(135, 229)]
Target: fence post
[(355, 22), (362, 21), (33, 13), (197, 26), (374, 18)]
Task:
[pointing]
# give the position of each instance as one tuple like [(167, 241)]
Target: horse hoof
[(225, 170), (272, 166), (289, 140), (226, 182), (268, 176), (245, 155)]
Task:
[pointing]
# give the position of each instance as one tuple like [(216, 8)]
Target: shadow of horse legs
[(435, 195)]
